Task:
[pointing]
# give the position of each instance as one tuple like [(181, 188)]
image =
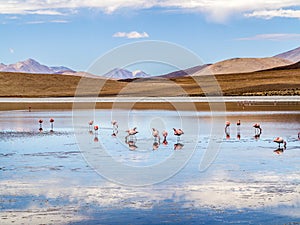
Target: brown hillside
[(279, 82), (243, 65)]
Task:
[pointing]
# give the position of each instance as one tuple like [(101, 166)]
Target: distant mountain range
[(119, 73), (32, 66), (234, 65)]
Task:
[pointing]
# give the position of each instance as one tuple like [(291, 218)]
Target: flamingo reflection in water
[(279, 151), (131, 144), (178, 146), (155, 145)]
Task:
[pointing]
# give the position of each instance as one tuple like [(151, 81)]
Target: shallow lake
[(75, 175)]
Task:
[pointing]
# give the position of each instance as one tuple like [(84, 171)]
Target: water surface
[(45, 177)]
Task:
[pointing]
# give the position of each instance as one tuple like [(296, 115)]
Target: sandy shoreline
[(163, 103)]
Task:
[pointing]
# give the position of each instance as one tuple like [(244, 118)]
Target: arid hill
[(277, 82), (242, 65), (292, 55)]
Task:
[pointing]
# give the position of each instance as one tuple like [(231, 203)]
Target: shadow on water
[(171, 213)]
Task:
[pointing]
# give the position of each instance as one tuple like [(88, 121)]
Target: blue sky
[(74, 33)]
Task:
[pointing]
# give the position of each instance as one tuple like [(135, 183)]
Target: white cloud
[(59, 21), (11, 50), (46, 21), (272, 37), (269, 14), (131, 35), (217, 10)]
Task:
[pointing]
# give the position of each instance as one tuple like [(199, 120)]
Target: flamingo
[(238, 124), (90, 124), (155, 134), (165, 134), (96, 129), (178, 132), (227, 129), (51, 122), (115, 128), (132, 131), (227, 124), (257, 128), (40, 122), (280, 140), (115, 124)]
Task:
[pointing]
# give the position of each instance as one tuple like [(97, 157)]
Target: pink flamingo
[(178, 133), (96, 129), (165, 134), (132, 131), (238, 124), (257, 128), (115, 127), (40, 122), (90, 124), (280, 140), (227, 126), (51, 122), (155, 134), (114, 123), (227, 129)]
